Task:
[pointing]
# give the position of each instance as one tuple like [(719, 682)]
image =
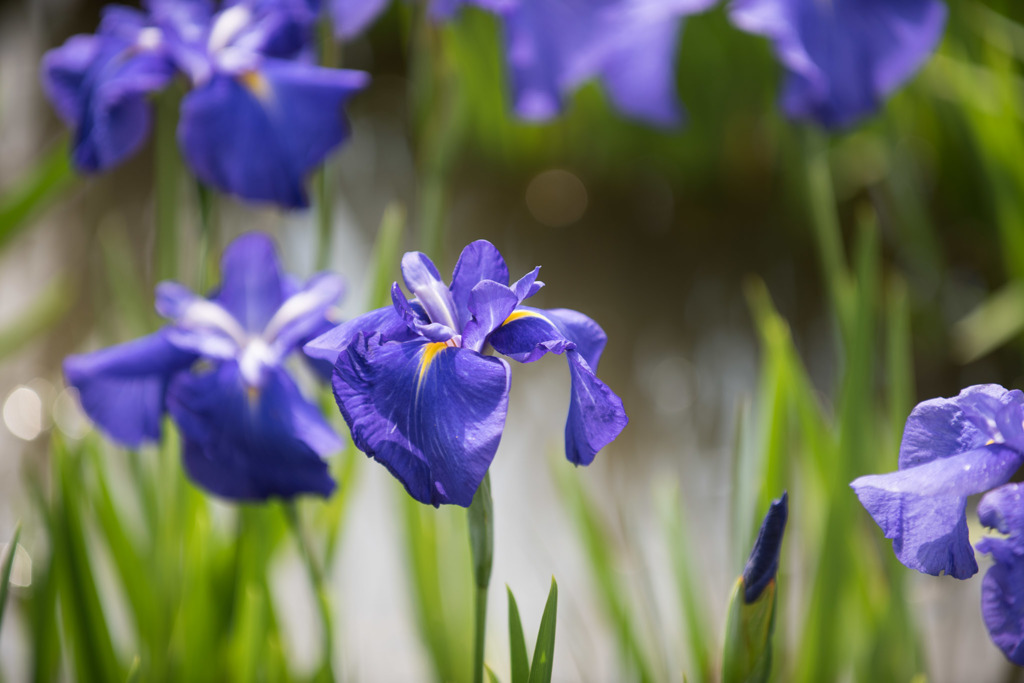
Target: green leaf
[(40, 186), (386, 254), (5, 570), (544, 653), (491, 676), (748, 637), (517, 643)]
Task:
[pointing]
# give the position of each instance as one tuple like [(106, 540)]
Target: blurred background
[(672, 241)]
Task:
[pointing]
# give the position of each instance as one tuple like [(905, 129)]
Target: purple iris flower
[(423, 397), (1002, 590), (259, 117), (843, 57), (952, 448), (218, 369), (552, 47)]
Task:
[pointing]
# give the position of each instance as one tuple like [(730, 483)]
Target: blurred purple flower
[(218, 369), (952, 448), (843, 57), (552, 47), (1002, 590), (259, 117), (423, 398)]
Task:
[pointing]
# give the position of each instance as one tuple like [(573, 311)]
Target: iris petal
[(431, 413), (553, 46), (1002, 590), (247, 444), (122, 388), (479, 261), (596, 414), (939, 428), (922, 508), (252, 286), (258, 134), (384, 321), (845, 56), (99, 86)]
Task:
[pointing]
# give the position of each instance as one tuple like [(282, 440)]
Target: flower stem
[(167, 173), (316, 577), (207, 200), (481, 544), (330, 56)]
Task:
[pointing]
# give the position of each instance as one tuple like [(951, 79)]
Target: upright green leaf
[(386, 254), (35, 190), (517, 643), (544, 653), (7, 566)]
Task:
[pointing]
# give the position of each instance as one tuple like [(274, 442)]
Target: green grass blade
[(544, 653), (7, 566), (491, 676), (47, 309), (86, 622), (691, 599), (386, 254), (38, 188), (517, 643)]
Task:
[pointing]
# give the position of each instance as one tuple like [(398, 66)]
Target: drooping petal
[(122, 389), (596, 415), (922, 508), (99, 86), (383, 321), (843, 57), (939, 427), (252, 286), (247, 444), (432, 414), (258, 134), (479, 261), (1002, 590)]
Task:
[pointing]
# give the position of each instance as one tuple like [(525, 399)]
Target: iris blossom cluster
[(259, 115), (218, 370), (422, 395), (842, 58), (954, 448)]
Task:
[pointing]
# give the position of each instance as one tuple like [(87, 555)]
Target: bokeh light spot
[(556, 198)]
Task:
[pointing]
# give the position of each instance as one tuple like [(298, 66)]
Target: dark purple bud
[(764, 558)]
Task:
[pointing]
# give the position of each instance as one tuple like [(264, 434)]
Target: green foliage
[(749, 630), (6, 565), (540, 670)]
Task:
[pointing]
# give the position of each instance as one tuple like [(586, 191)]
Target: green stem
[(167, 174), (330, 56), (316, 577), (481, 544), (827, 232), (207, 231)]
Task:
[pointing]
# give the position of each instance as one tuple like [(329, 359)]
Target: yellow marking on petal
[(256, 83), (990, 442), (519, 314), (429, 352)]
